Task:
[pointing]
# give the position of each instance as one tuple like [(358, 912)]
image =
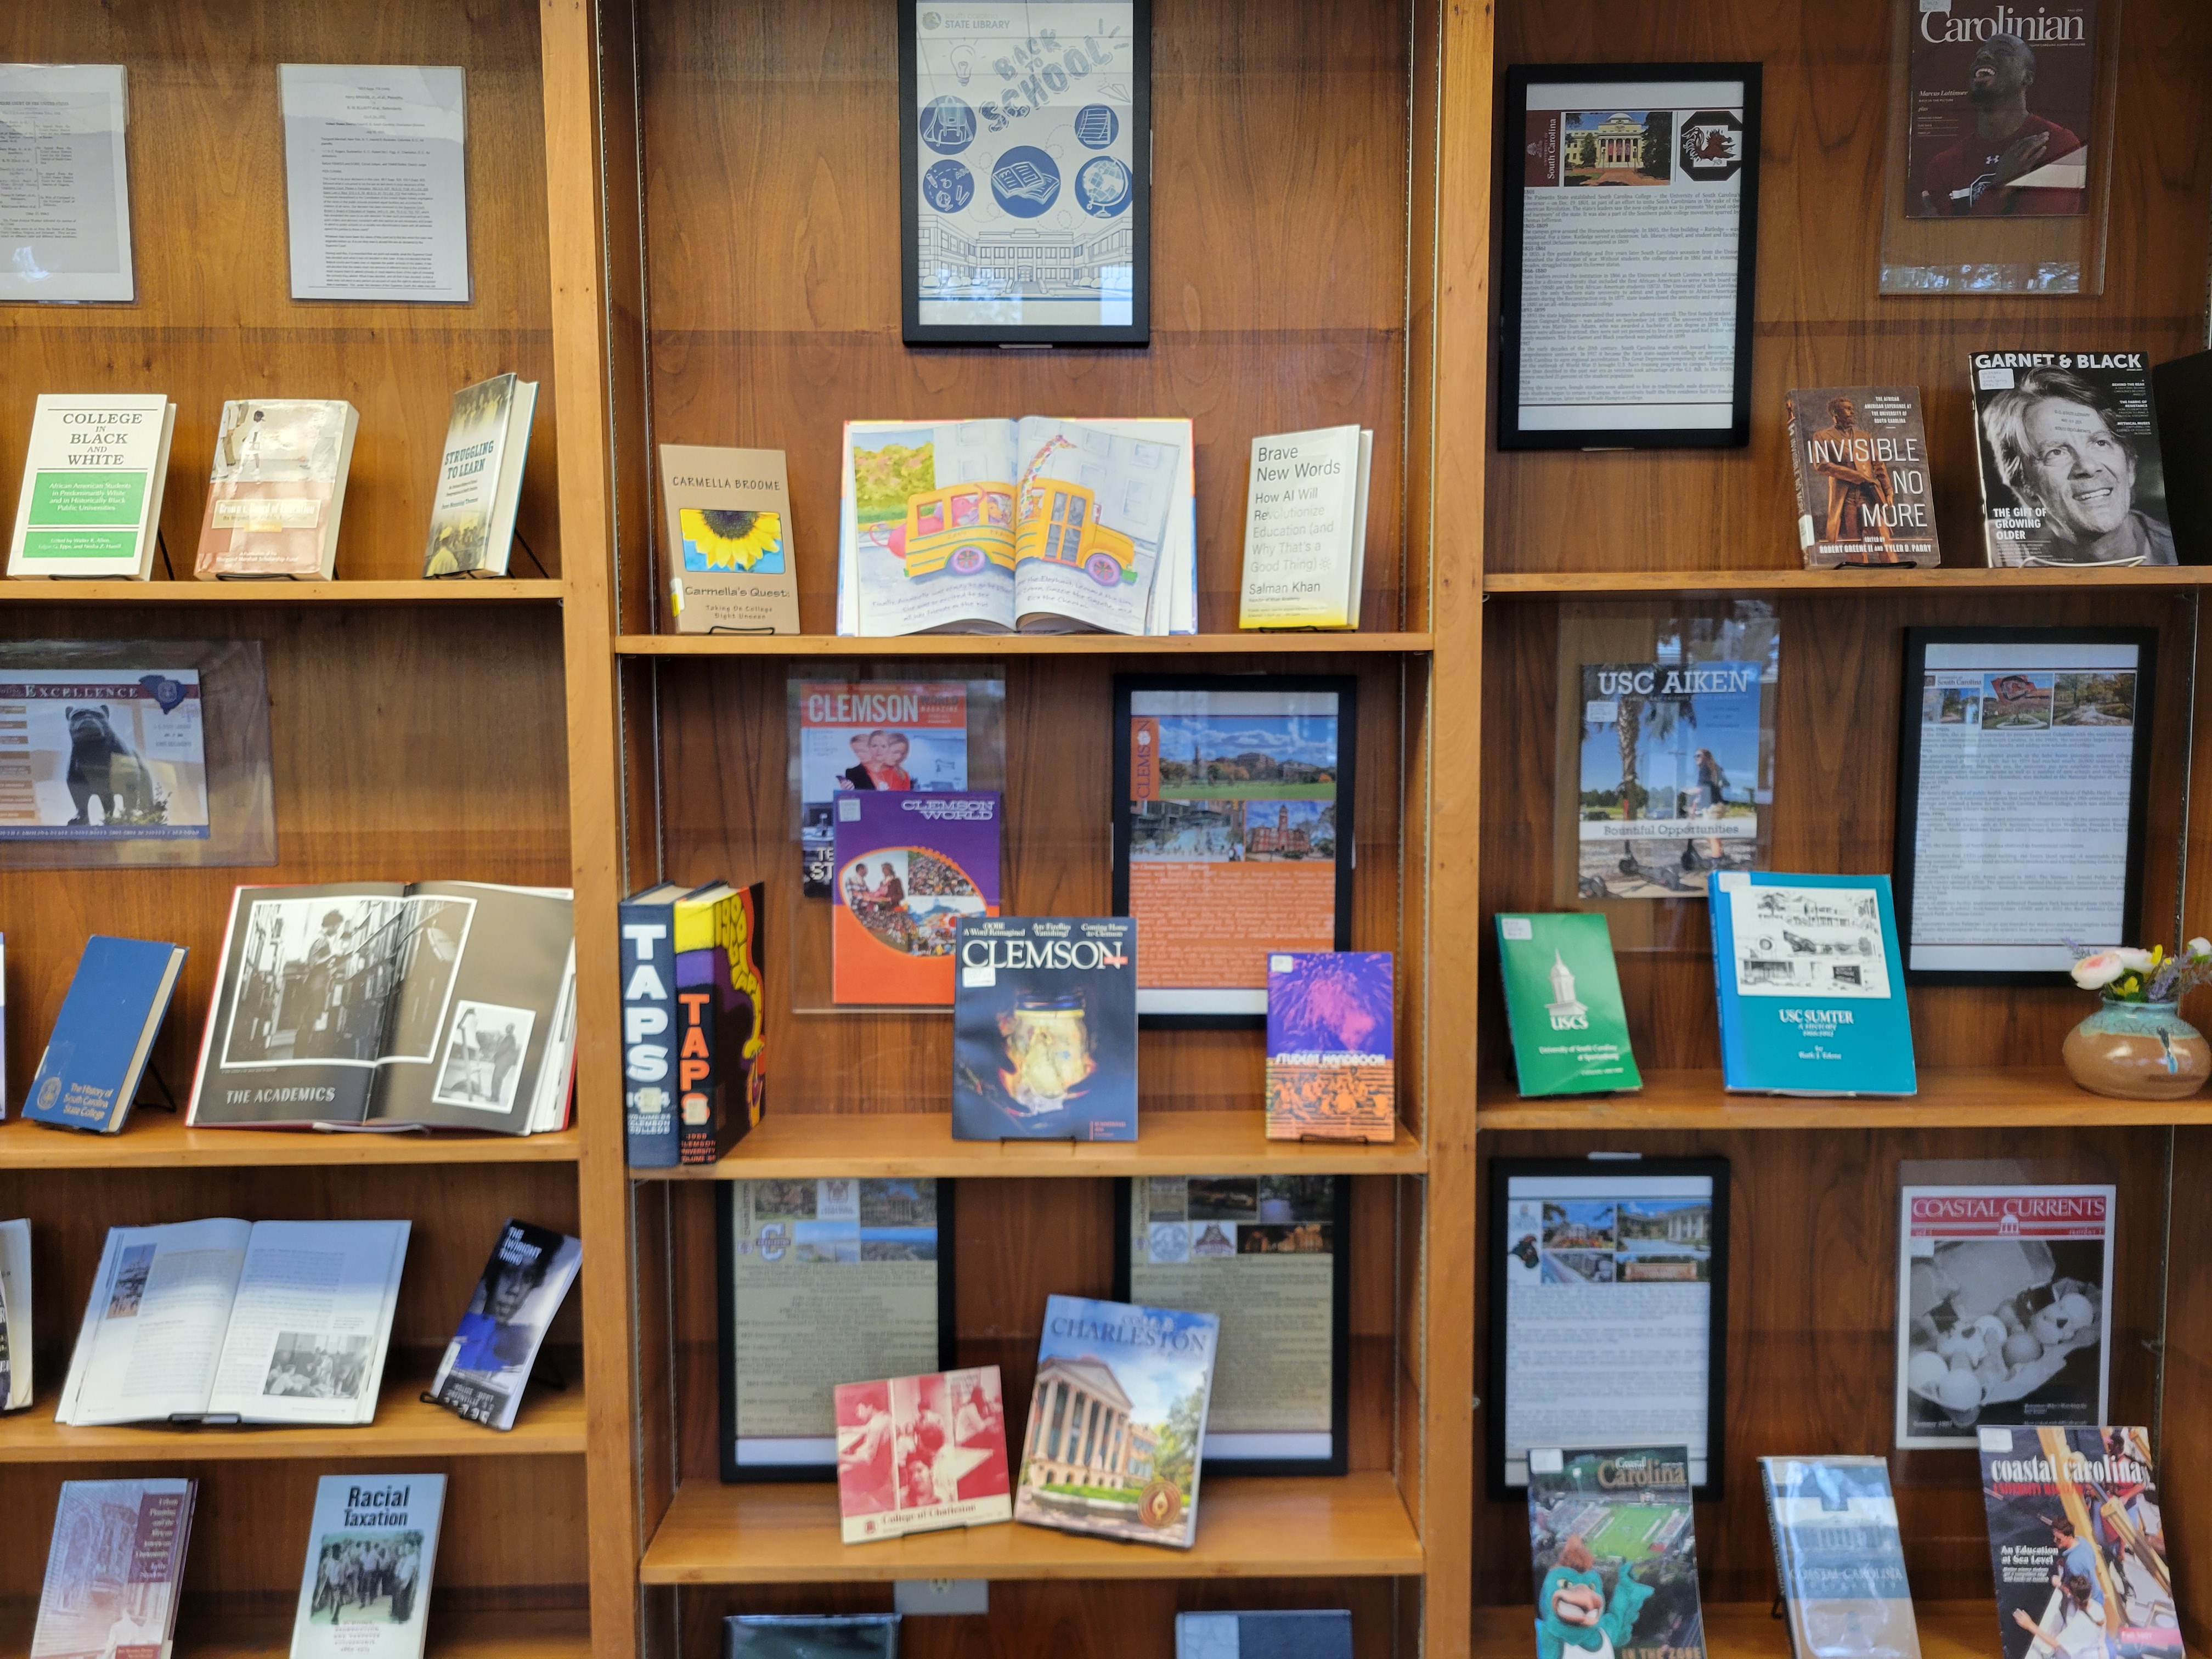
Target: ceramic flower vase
[(2138, 1051)]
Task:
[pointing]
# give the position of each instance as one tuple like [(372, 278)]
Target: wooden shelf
[(487, 590), (549, 1424), (511, 1633), (155, 1140), (1982, 1097), (1565, 584), (1741, 1630), (1011, 645), (883, 1144), (1354, 1525)]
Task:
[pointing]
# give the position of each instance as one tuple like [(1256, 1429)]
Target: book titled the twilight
[(1614, 1553), (1562, 1004), (1860, 460), (2077, 1543), (1332, 1071), (1302, 1633), (1839, 1557), (113, 1570), (1116, 1420), (918, 1454), (1044, 1027), (487, 1364), (911, 865)]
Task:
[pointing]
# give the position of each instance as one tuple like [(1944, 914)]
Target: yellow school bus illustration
[(1061, 526), (964, 526)]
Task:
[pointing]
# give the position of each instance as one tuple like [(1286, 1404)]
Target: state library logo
[(1712, 145)]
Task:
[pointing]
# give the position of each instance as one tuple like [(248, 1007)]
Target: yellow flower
[(729, 540)]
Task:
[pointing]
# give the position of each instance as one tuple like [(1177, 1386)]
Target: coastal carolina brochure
[(1614, 1553)]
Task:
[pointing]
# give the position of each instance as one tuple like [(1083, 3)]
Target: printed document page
[(308, 1327), (376, 181), (155, 1325), (65, 189)]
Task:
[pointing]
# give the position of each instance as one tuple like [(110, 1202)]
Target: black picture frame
[(1905, 867), (725, 1338), (1340, 1336), (1137, 331), (1498, 1246), (1512, 242), (1346, 690)]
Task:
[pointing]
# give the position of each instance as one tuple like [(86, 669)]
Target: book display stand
[(685, 228)]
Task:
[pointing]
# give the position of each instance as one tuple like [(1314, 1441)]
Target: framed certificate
[(1627, 256), (1608, 1309), (821, 1282), (1266, 1254), (2023, 766), (1232, 833), (1025, 151)]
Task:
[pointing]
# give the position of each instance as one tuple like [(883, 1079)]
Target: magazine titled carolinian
[(488, 1360)]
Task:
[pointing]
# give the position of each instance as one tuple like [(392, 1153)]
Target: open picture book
[(1036, 525), (237, 1322)]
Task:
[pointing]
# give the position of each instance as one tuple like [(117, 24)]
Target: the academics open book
[(274, 1322), (365, 1593), (1036, 526), (370, 1005)]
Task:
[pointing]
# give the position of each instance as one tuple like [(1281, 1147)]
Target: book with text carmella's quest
[(91, 504), (1563, 1001)]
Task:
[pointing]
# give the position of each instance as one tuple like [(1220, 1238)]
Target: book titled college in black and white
[(371, 1004)]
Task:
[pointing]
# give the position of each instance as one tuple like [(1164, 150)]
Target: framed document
[(1025, 151), (2023, 764), (1628, 259), (1608, 1309), (1232, 833), (821, 1282), (1266, 1256)]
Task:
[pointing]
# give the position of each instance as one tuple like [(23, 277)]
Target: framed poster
[(1628, 255), (1608, 1309), (1232, 834), (2023, 766), (1025, 151), (821, 1282), (1266, 1254)]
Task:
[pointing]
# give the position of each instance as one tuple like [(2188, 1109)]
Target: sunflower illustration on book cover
[(726, 538)]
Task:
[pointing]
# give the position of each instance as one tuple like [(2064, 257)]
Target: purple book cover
[(1331, 1046), (909, 866)]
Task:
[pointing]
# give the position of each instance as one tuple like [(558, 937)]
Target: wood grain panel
[(1279, 255), (1819, 320), (2185, 1447), (408, 744), (1812, 1316), (1834, 808), (214, 319)]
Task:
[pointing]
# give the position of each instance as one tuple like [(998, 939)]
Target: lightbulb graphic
[(963, 64)]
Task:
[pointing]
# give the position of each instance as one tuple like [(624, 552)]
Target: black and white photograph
[(311, 1367), (366, 1579), (315, 979), (131, 1274), (483, 1056), (2071, 472)]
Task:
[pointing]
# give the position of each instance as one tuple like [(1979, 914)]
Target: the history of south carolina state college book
[(1044, 1029), (1615, 1554)]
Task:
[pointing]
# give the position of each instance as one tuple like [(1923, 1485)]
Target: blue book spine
[(90, 1069), (649, 1021)]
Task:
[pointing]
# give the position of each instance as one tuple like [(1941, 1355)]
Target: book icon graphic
[(1026, 181)]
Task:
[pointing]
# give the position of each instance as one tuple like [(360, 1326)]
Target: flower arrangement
[(2126, 974)]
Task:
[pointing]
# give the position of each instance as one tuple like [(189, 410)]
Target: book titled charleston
[(1332, 1071), (1838, 1556), (2077, 1544), (1044, 1029), (1614, 1553)]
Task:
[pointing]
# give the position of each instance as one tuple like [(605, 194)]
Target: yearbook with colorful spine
[(721, 1019)]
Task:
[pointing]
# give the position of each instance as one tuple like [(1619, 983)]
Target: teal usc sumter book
[(1811, 996), (1563, 1003)]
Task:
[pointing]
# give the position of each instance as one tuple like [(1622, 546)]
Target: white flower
[(2094, 973), (2198, 949), (2132, 959)]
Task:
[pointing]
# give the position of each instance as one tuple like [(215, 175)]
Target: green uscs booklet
[(1563, 1000)]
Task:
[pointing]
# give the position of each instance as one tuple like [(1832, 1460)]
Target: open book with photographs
[(237, 1322), (375, 1006)]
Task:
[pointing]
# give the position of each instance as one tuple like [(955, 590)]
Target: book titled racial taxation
[(2077, 1544), (909, 866), (88, 1075), (480, 478), (2072, 470), (277, 490), (1044, 1029), (93, 477), (1332, 1067), (1838, 1556), (1614, 1553), (1812, 1001), (919, 1453), (114, 1570), (1563, 1003), (733, 565), (365, 1593), (1305, 529), (1861, 461)]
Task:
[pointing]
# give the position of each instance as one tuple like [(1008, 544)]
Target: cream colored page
[(1270, 1372)]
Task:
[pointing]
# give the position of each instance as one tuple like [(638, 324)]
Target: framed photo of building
[(1608, 1309), (1025, 171), (2023, 772), (1628, 256), (1268, 1255), (821, 1282), (1232, 834)]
